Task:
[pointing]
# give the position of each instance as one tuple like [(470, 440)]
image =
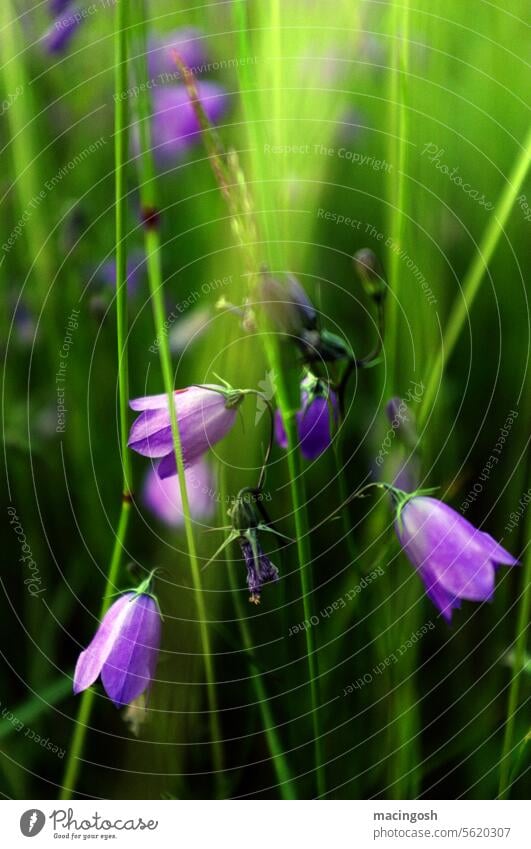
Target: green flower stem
[(398, 150), (522, 625), (285, 779), (474, 277), (300, 514), (120, 148), (148, 198)]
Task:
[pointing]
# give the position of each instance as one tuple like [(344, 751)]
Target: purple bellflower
[(318, 407), (58, 36), (187, 42), (455, 560), (124, 650), (174, 125), (205, 414), (163, 496)]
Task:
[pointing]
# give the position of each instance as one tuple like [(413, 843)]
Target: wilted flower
[(260, 570), (454, 559), (174, 124), (248, 520), (205, 414), (58, 36), (124, 650), (319, 407), (400, 449), (187, 42), (163, 496)]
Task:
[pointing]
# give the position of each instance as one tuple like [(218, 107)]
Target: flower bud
[(371, 273)]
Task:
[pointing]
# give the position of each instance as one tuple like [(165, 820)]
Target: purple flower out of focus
[(318, 406), (163, 497), (136, 269), (174, 123), (455, 560), (189, 44), (58, 6), (124, 650), (59, 34), (205, 414)]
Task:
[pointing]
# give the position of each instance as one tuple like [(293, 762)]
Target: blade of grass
[(73, 763), (278, 758), (474, 277), (149, 203)]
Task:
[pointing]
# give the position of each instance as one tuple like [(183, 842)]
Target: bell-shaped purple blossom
[(124, 650), (163, 496), (188, 42), (260, 570), (454, 559), (58, 36), (174, 123), (319, 406), (205, 414)]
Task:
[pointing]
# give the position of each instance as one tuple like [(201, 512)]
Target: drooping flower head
[(319, 408), (455, 560), (163, 496), (124, 650), (248, 521), (205, 414)]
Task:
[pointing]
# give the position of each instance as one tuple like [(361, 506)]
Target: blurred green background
[(328, 80)]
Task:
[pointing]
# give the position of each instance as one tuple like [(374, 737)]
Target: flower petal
[(131, 664), (91, 660)]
